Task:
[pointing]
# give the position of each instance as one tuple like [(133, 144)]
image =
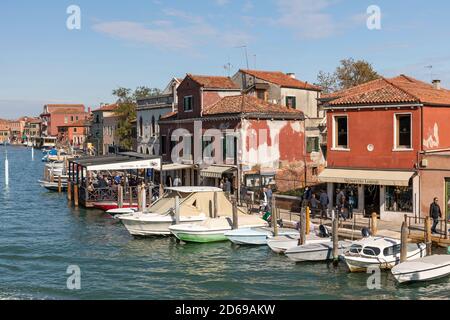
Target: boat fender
[(365, 232), (323, 232)]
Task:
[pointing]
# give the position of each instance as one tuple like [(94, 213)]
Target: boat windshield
[(356, 248), (371, 251), (392, 251)]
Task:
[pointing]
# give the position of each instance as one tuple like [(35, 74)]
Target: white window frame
[(334, 142), (396, 148), (192, 103)]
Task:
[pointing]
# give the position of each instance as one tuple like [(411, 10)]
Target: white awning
[(215, 171), (175, 166), (127, 165), (367, 177)]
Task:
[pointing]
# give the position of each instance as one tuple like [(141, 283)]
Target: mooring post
[(131, 196), (139, 199), (75, 195), (59, 184), (308, 219), (404, 243), (120, 196), (428, 240), (275, 217), (177, 210), (69, 191), (144, 198), (335, 235), (302, 229), (374, 223), (215, 209), (235, 216)]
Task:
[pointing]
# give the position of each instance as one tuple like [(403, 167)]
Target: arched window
[(153, 126), (141, 127)]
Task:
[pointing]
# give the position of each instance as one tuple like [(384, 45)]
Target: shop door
[(371, 200), (447, 198)]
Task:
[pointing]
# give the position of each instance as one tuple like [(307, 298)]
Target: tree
[(348, 74), (126, 111)]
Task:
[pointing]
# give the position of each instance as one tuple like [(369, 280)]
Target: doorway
[(371, 200)]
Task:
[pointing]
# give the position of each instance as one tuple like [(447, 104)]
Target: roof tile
[(281, 79)]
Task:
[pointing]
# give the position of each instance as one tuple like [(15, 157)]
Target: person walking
[(243, 193), (435, 214), (351, 204), (269, 194), (227, 188), (324, 202)]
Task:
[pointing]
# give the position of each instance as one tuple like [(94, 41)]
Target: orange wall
[(373, 127), (436, 128)]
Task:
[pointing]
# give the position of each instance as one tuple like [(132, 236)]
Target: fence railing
[(419, 224)]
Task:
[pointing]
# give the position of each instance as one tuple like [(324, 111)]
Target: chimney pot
[(291, 74), (437, 84)]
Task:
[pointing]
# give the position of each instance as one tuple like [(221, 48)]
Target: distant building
[(74, 134), (149, 112), (5, 131), (55, 115), (32, 130), (103, 129)]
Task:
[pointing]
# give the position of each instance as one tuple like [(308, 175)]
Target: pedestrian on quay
[(269, 193), (314, 204), (435, 213), (227, 188), (243, 193), (324, 202), (351, 204)]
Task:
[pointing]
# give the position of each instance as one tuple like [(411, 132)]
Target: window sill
[(402, 150), (340, 149)]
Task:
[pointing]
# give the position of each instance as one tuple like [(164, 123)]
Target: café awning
[(175, 166), (215, 171), (366, 177)]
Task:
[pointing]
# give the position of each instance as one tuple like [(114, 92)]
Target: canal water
[(41, 236)]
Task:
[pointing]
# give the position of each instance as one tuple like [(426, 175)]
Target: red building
[(55, 115), (74, 134), (224, 134), (376, 135)]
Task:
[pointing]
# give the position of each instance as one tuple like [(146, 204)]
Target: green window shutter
[(309, 145)]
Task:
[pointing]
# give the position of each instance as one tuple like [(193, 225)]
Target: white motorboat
[(213, 230), (196, 205), (316, 251), (119, 211), (381, 252), (53, 186), (281, 244), (256, 236), (423, 269)]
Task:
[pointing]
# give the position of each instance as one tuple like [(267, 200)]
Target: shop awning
[(175, 166), (367, 177), (215, 171)]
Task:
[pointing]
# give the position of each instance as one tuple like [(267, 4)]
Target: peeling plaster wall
[(436, 128)]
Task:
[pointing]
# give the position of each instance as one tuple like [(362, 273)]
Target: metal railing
[(418, 223)]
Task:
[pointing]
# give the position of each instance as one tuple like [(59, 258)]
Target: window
[(403, 131), (76, 118), (291, 102), (312, 144), (188, 103), (371, 251), (261, 94), (341, 132), (141, 126), (66, 120), (392, 251), (163, 145), (75, 130), (71, 119), (153, 126), (399, 199)]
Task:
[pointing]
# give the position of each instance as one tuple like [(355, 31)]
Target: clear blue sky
[(137, 42)]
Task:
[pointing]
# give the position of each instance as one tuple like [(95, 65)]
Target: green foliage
[(126, 111), (348, 74)]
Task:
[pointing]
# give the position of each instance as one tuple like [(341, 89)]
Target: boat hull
[(256, 236), (106, 206), (315, 252), (421, 270), (155, 227), (201, 237)]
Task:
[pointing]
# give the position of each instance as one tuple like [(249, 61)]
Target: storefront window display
[(350, 192), (399, 199)]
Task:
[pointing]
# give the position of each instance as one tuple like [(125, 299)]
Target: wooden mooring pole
[(120, 196), (302, 222), (235, 216), (308, 220), (139, 199), (404, 243), (131, 196), (215, 210), (428, 240), (59, 184), (335, 235), (274, 217), (69, 191), (177, 210), (374, 223), (75, 195)]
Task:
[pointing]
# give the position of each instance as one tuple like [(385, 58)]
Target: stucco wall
[(436, 128)]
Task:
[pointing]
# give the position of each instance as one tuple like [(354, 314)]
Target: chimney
[(89, 110), (436, 84), (292, 75)]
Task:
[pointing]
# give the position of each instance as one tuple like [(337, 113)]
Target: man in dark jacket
[(435, 213)]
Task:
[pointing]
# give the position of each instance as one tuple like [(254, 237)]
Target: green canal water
[(41, 235)]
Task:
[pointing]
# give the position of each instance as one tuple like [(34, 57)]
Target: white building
[(149, 112)]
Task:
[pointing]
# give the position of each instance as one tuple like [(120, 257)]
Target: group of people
[(103, 181)]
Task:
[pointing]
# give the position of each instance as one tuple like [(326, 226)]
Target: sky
[(147, 42)]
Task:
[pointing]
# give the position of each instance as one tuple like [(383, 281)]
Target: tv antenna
[(244, 47), (228, 67), (431, 71)]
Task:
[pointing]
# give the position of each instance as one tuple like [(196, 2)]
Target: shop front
[(389, 194)]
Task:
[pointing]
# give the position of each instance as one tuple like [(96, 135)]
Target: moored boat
[(256, 236), (316, 251), (281, 244), (423, 269), (380, 252), (112, 205)]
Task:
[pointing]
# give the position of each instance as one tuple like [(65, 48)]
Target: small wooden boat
[(380, 252), (256, 236), (316, 251), (281, 244), (423, 269)]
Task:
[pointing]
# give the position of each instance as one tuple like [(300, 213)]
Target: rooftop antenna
[(431, 71), (245, 52), (228, 67), (254, 56)]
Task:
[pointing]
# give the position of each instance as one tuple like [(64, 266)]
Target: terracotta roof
[(169, 115), (245, 104), (214, 82), (108, 107), (281, 79), (67, 111), (401, 89)]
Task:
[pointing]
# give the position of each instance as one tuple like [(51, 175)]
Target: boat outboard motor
[(323, 232), (365, 232)]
